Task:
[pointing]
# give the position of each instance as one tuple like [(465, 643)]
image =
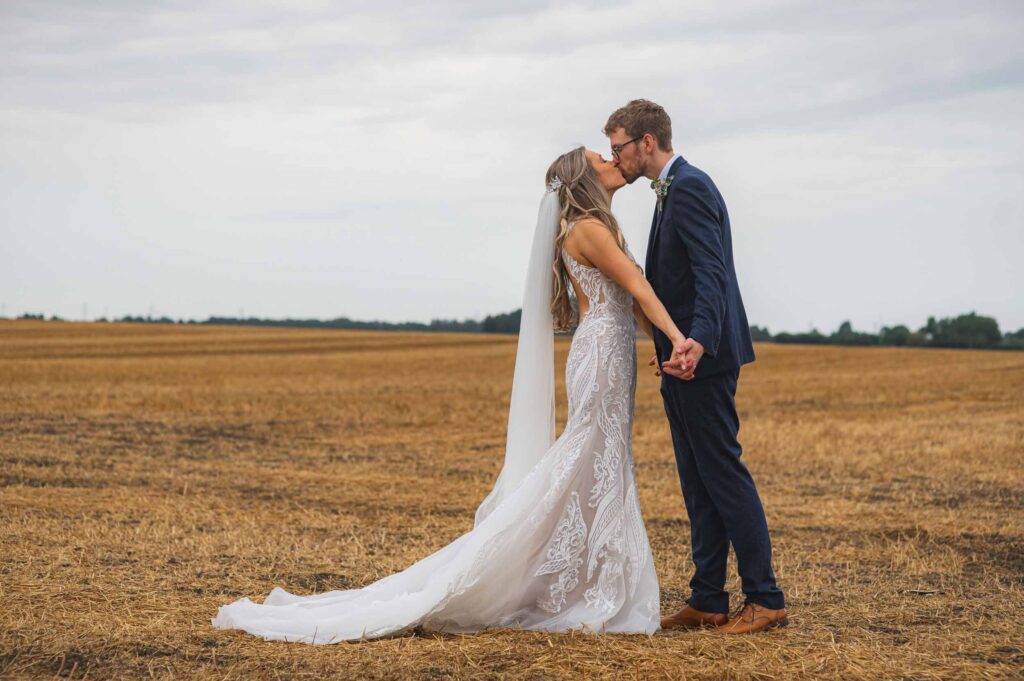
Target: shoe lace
[(743, 609)]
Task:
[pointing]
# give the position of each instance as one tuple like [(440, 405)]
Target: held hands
[(685, 356)]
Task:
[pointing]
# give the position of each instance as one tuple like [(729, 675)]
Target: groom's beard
[(630, 177)]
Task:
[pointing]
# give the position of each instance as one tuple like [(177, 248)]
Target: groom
[(690, 267)]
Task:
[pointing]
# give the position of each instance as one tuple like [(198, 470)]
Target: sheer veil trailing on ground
[(559, 543)]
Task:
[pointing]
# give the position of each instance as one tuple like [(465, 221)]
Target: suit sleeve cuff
[(702, 334)]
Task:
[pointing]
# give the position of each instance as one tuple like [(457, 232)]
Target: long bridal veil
[(531, 413)]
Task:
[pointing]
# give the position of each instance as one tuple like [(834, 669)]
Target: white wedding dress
[(565, 549)]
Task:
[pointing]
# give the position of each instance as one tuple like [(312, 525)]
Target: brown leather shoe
[(754, 618), (691, 618)]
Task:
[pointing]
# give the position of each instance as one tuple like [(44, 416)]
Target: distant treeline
[(966, 331), (502, 323)]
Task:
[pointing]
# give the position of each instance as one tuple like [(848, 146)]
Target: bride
[(559, 543)]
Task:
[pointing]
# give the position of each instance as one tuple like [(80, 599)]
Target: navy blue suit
[(690, 266)]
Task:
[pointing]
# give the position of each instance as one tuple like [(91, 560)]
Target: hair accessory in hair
[(555, 184)]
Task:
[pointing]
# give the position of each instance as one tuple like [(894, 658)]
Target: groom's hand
[(680, 365), (654, 363)]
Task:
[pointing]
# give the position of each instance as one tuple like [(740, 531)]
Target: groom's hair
[(642, 116)]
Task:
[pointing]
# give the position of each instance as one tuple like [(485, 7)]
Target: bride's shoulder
[(589, 232), (587, 227)]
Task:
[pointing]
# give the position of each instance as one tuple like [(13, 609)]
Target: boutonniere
[(660, 188)]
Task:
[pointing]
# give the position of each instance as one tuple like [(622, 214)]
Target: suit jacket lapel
[(658, 217), (650, 247)]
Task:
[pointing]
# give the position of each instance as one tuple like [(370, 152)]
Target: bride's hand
[(654, 363)]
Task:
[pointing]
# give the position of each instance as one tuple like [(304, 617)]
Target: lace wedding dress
[(565, 549)]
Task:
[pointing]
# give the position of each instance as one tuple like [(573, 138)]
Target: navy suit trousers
[(720, 495)]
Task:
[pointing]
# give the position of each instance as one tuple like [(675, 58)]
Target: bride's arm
[(641, 319), (597, 244)]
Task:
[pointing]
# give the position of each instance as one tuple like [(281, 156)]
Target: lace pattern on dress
[(563, 557), (600, 385)]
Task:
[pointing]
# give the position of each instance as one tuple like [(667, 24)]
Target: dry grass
[(150, 474)]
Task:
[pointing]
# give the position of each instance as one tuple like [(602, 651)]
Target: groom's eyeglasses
[(616, 148)]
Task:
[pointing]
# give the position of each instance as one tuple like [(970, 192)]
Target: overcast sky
[(385, 161)]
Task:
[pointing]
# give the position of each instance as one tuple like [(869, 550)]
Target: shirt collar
[(664, 171)]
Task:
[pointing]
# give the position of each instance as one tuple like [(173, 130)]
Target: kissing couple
[(559, 544)]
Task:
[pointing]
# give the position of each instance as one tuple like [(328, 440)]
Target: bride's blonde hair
[(581, 195)]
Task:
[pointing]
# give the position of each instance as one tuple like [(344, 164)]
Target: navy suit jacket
[(690, 267)]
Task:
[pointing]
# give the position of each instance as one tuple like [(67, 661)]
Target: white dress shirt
[(664, 171)]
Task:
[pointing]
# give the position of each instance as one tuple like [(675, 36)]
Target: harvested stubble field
[(152, 473)]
